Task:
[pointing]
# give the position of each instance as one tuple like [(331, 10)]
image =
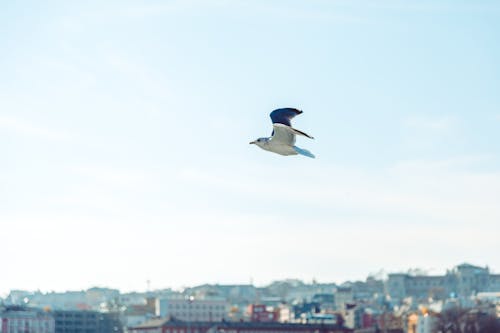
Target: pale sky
[(124, 131)]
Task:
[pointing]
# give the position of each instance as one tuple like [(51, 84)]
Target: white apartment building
[(20, 320), (191, 309)]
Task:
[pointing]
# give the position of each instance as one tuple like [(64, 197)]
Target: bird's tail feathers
[(304, 152)]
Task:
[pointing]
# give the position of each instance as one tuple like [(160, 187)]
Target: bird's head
[(260, 142)]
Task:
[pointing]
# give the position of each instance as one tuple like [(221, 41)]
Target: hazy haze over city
[(124, 130)]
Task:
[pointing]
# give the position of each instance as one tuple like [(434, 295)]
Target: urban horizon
[(466, 296), (381, 275)]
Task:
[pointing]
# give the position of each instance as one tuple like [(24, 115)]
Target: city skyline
[(124, 131), (380, 275)]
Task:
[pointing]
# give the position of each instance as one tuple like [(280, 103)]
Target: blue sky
[(124, 131)]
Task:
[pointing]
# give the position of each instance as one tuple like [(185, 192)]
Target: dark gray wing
[(284, 116)]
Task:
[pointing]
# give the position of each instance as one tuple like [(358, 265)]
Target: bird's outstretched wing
[(283, 134), (284, 116)]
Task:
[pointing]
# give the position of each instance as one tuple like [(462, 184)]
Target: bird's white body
[(276, 147), (282, 141)]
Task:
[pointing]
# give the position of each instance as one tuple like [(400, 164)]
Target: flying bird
[(282, 140)]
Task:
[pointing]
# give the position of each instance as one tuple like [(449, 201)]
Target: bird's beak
[(253, 142)]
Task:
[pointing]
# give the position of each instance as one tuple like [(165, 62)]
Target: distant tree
[(340, 320), (488, 323), (449, 320), (458, 320)]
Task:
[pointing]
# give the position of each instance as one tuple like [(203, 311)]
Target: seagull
[(282, 140)]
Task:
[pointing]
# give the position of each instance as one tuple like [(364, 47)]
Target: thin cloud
[(22, 127), (145, 10), (429, 123), (155, 89), (332, 14), (448, 190), (112, 176), (426, 6)]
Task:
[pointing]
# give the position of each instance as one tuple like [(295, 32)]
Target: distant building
[(368, 319), (173, 326), (286, 314), (291, 289), (302, 309), (322, 318), (86, 322), (98, 295), (426, 324), (192, 309), (234, 294), (493, 297), (470, 279), (16, 319), (494, 283), (18, 297), (262, 313), (463, 281), (326, 301), (364, 290), (420, 287), (343, 296), (69, 300), (390, 322), (135, 314)]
